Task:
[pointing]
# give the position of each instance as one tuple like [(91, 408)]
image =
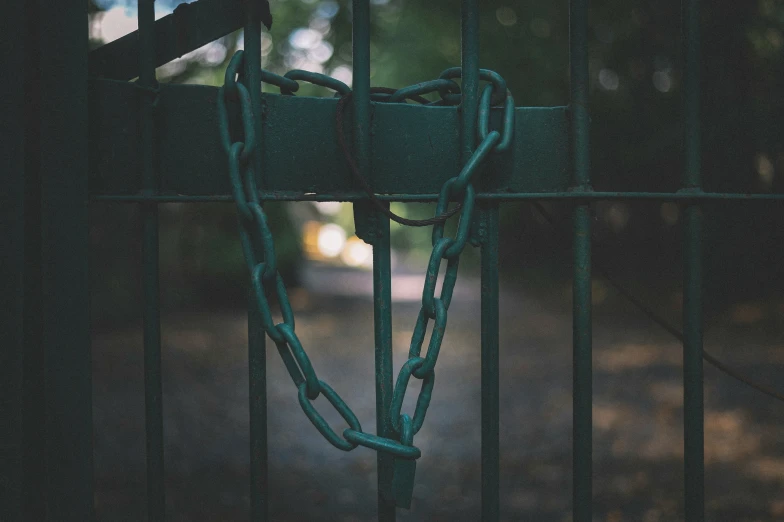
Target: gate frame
[(46, 462), (46, 459)]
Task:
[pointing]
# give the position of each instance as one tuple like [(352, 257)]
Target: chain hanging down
[(256, 236)]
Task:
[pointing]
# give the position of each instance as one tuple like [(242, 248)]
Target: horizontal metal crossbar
[(415, 149), (188, 28), (356, 196)]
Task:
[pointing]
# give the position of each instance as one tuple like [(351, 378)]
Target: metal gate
[(145, 143)]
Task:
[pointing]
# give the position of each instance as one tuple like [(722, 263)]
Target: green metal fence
[(106, 138)]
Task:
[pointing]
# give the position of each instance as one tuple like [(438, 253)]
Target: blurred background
[(636, 145)]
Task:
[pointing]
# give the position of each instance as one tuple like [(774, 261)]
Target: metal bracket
[(366, 222)]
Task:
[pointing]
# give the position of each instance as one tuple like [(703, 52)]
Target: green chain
[(256, 237)]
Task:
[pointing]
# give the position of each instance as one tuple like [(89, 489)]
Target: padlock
[(405, 469), (403, 482)]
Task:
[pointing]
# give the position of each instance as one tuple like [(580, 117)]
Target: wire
[(656, 318), (380, 205)]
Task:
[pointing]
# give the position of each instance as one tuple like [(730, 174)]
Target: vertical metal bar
[(361, 83), (693, 406), (582, 377), (578, 85), (469, 108), (693, 410), (257, 368), (490, 367), (691, 93), (581, 290), (382, 266), (63, 160), (469, 111), (12, 262), (153, 387), (257, 349), (382, 317), (34, 378)]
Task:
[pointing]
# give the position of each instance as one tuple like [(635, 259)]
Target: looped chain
[(484, 118), (232, 71), (256, 238), (423, 401), (321, 80), (431, 277), (495, 79), (321, 425), (440, 306), (383, 95), (261, 299), (247, 121), (281, 82), (440, 85), (393, 447), (464, 225)]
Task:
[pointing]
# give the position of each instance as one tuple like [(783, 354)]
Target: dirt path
[(637, 416)]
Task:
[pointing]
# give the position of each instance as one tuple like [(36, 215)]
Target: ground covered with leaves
[(637, 414)]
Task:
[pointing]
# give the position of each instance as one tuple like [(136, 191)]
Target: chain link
[(485, 104), (419, 89), (322, 80), (255, 236), (464, 225), (278, 81), (495, 79)]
